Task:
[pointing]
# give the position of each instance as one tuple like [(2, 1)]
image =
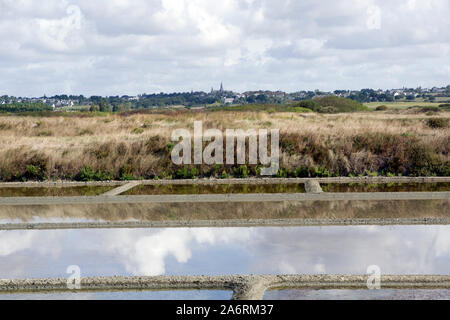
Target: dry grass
[(58, 147)]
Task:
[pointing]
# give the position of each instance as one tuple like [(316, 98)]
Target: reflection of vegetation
[(386, 187), (216, 189), (233, 210), (53, 192)]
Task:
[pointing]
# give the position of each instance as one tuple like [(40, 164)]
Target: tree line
[(24, 107)]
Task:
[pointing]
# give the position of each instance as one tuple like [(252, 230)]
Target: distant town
[(213, 98)]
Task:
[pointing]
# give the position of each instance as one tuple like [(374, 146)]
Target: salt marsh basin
[(122, 295), (345, 294), (223, 214), (221, 251), (234, 231), (53, 191)]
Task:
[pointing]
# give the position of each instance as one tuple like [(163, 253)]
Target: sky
[(117, 47)]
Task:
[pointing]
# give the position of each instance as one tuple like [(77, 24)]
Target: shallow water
[(285, 188), (227, 210), (215, 189), (124, 295), (386, 187), (220, 251), (341, 294), (54, 191)]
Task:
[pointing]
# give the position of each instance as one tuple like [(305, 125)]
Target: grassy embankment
[(137, 145), (402, 104)]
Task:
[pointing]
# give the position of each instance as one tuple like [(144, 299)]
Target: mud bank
[(249, 287), (223, 223)]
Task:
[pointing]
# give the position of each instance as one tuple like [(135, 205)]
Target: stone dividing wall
[(229, 181), (197, 198), (244, 287), (232, 223)]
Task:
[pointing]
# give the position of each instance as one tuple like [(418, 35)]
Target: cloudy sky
[(115, 47)]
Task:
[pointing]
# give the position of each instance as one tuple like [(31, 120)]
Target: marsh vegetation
[(135, 146)]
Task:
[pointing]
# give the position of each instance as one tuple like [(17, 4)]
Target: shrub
[(307, 104), (158, 145), (301, 172), (86, 174), (437, 123), (137, 130), (103, 176), (126, 176), (328, 109), (126, 172), (331, 104), (33, 172), (321, 173), (429, 109), (302, 110), (86, 132), (44, 134), (241, 171), (340, 104), (5, 126), (381, 108), (170, 146), (187, 173)]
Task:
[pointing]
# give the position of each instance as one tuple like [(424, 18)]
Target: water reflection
[(53, 191), (344, 209), (124, 295), (386, 187), (215, 251), (216, 189), (339, 294)]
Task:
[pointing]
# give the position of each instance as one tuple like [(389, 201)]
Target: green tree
[(102, 106), (93, 108)]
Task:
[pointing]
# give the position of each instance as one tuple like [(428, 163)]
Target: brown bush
[(381, 108), (311, 145), (438, 123)]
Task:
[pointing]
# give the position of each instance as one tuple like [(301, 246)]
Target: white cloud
[(129, 47)]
